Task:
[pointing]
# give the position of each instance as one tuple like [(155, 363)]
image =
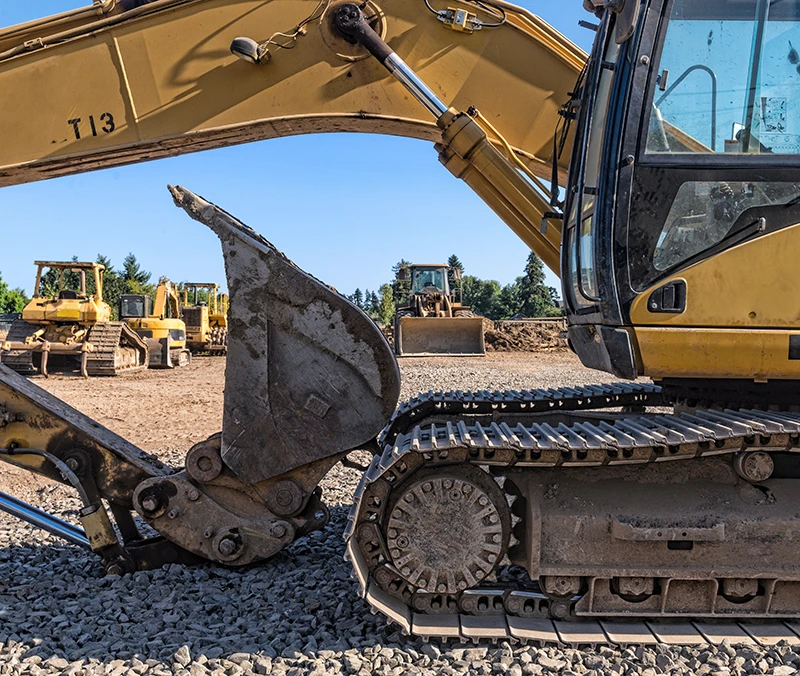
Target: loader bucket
[(440, 336), (308, 375)]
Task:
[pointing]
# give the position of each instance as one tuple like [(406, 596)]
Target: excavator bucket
[(308, 375), (440, 336)]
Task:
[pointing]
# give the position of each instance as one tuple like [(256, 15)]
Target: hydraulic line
[(43, 520)]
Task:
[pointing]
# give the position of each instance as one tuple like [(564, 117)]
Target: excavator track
[(117, 349), (485, 475), (493, 405)]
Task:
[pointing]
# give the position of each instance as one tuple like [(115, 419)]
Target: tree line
[(527, 296)]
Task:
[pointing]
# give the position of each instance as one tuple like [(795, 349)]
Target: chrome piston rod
[(43, 520), (349, 19)]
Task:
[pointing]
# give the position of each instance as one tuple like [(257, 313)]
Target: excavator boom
[(159, 80)]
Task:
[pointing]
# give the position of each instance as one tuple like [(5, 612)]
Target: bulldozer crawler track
[(20, 361), (106, 339), (632, 439)]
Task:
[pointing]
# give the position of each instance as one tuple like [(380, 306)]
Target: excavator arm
[(124, 82)]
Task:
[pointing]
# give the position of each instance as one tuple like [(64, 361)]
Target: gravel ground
[(298, 613)]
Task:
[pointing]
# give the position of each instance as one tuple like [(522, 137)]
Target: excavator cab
[(160, 325), (683, 214)]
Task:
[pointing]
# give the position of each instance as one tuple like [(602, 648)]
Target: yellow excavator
[(433, 323), (71, 326), (206, 320), (160, 324), (483, 514)]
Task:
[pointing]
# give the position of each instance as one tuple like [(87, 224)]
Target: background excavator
[(159, 324), (432, 322), (483, 514), (72, 326), (206, 320)]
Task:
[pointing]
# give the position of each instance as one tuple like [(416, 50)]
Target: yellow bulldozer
[(433, 323), (205, 312), (625, 506), (159, 324), (72, 327)]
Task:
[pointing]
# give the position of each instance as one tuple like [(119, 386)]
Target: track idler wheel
[(448, 529)]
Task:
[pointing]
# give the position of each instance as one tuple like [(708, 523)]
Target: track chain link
[(502, 610)]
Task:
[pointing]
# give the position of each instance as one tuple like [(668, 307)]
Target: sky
[(288, 189)]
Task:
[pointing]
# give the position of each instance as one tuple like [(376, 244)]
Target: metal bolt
[(193, 494), (208, 532), (73, 464), (173, 513), (227, 546), (114, 569), (150, 503), (560, 610), (278, 530)]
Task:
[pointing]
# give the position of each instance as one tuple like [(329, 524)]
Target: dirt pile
[(526, 336)]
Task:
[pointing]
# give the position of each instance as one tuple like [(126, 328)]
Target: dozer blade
[(308, 375), (440, 336)]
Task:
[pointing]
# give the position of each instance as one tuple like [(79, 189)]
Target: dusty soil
[(526, 336)]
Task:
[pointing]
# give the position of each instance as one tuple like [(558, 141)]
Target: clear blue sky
[(284, 188)]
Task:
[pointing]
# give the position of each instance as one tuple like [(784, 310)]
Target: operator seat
[(68, 294)]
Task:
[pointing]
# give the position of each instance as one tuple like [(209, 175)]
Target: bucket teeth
[(511, 499), (500, 481)]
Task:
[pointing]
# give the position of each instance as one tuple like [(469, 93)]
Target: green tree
[(482, 295), (11, 300), (537, 299), (357, 298), (455, 274), (53, 281), (401, 288), (386, 307), (136, 280), (510, 301)]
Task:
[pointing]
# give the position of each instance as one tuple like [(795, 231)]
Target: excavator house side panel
[(440, 336)]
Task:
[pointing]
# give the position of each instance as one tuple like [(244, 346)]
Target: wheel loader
[(159, 324), (592, 514), (71, 327), (432, 322), (206, 320)]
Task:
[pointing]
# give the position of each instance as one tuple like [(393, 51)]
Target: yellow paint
[(741, 307)]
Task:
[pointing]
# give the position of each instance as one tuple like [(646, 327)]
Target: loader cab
[(428, 279), (687, 151)]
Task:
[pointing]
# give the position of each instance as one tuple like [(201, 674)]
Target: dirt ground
[(166, 412)]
